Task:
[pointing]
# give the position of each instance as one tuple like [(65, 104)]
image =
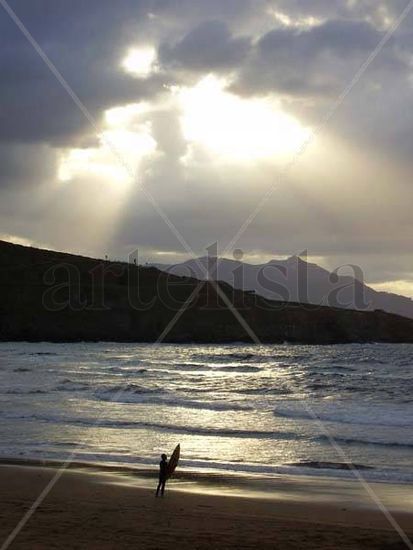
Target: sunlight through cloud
[(235, 128), (140, 62), (124, 137)]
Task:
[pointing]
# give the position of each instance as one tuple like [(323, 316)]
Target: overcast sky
[(199, 109)]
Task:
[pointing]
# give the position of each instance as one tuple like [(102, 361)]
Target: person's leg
[(159, 486), (163, 487)]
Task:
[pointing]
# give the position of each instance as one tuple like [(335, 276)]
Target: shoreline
[(335, 471), (300, 489), (90, 509)]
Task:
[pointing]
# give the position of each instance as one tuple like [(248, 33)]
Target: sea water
[(269, 409)]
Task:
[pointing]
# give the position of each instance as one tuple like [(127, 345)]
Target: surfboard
[(173, 461)]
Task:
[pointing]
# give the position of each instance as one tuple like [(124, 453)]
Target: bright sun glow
[(123, 145), (140, 61), (235, 128)]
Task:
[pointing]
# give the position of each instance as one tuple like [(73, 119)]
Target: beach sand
[(105, 510)]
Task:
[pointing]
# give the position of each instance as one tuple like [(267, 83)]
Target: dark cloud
[(208, 47), (361, 216), (310, 67), (311, 61), (86, 42)]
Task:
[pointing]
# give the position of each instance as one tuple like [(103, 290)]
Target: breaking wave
[(350, 413)]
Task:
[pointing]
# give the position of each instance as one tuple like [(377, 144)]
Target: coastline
[(206, 320), (117, 509)]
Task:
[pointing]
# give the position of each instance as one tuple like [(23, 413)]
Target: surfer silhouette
[(163, 470)]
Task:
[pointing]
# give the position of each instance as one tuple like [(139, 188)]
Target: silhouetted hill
[(54, 296), (295, 280)]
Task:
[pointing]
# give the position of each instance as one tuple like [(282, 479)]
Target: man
[(163, 466)]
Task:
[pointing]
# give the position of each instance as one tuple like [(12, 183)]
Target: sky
[(162, 126)]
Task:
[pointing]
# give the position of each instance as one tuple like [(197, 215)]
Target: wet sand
[(108, 510)]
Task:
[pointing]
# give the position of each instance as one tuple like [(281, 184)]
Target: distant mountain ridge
[(58, 297), (295, 280)]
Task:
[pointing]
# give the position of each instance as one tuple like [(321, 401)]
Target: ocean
[(246, 409)]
